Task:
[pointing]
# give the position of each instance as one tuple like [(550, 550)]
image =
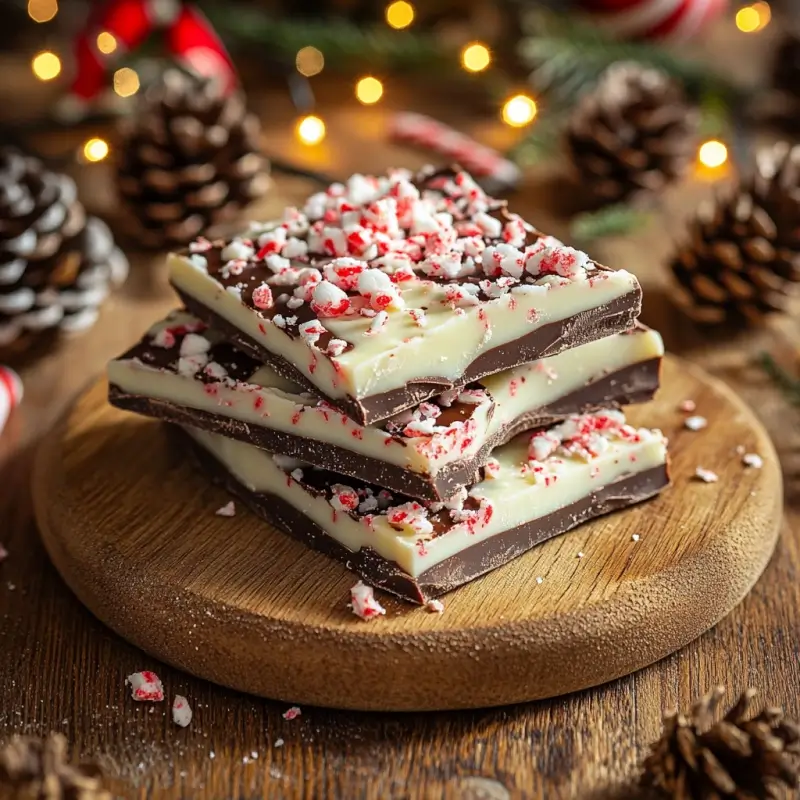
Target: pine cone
[(740, 756), (189, 160), (38, 769), (633, 133), (743, 253), (56, 265), (786, 65)]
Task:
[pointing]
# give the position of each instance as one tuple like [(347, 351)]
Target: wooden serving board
[(131, 528)]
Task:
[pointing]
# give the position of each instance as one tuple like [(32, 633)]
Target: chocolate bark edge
[(587, 326), (632, 384), (452, 572)]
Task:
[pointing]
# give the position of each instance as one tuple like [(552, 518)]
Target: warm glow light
[(106, 43), (46, 66), (369, 90), (475, 57), (712, 154), (754, 17), (519, 111), (95, 149), (126, 82), (309, 61), (311, 130), (42, 10), (399, 14)]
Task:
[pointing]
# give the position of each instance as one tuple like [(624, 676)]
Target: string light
[(519, 111), (309, 61), (712, 154), (399, 14), (369, 90), (126, 82), (106, 43), (46, 66), (42, 10), (475, 57), (95, 149), (753, 18), (310, 130)]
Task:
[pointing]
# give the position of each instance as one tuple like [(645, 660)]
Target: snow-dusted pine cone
[(56, 264)]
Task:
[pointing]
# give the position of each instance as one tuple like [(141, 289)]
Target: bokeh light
[(309, 61), (369, 90), (519, 111), (42, 10), (95, 149), (46, 66), (310, 130), (106, 43), (399, 14), (712, 154), (126, 82), (475, 57)]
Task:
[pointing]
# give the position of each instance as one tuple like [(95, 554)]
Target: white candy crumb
[(363, 602), (752, 460), (580, 555), (740, 450), (228, 510), (181, 711), (695, 423), (292, 713), (706, 475), (145, 685), (635, 537), (435, 606), (279, 743), (688, 406), (539, 580)]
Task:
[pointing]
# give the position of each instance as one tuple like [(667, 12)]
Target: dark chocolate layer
[(587, 326), (633, 384), (455, 571)]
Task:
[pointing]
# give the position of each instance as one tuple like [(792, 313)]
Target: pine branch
[(615, 220), (542, 141), (783, 380), (341, 41), (567, 57)]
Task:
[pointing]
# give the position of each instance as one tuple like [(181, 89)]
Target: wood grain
[(61, 669), (239, 603)]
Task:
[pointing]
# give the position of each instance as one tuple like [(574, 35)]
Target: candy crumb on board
[(181, 711), (696, 423), (279, 743), (688, 406), (752, 460), (145, 685), (292, 713), (363, 602), (435, 606), (635, 537), (706, 475), (228, 510)]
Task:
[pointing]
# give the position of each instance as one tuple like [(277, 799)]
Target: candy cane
[(427, 132), (10, 393)]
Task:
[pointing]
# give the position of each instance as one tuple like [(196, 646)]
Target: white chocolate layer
[(266, 400), (521, 491), (403, 351)]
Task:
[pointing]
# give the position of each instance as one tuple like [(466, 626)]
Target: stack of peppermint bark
[(406, 376)]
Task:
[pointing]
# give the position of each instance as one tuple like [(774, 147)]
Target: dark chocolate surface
[(633, 384), (455, 571)]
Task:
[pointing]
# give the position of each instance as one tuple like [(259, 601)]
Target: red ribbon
[(190, 39)]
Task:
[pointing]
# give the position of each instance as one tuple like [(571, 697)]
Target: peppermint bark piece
[(381, 293), (185, 373), (541, 485)]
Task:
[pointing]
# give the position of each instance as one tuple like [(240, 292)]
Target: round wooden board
[(131, 528)]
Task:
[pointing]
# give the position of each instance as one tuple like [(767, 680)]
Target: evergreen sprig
[(342, 41), (789, 385), (615, 220)]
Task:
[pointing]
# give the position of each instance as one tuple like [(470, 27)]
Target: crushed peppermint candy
[(279, 742), (262, 297), (635, 537), (696, 423), (435, 606), (412, 516), (228, 510), (363, 603), (336, 347), (539, 580), (292, 713), (181, 711), (706, 475), (688, 406), (344, 498), (580, 555), (145, 685), (491, 469), (378, 324), (752, 460)]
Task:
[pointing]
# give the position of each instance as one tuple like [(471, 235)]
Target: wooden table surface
[(60, 669)]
